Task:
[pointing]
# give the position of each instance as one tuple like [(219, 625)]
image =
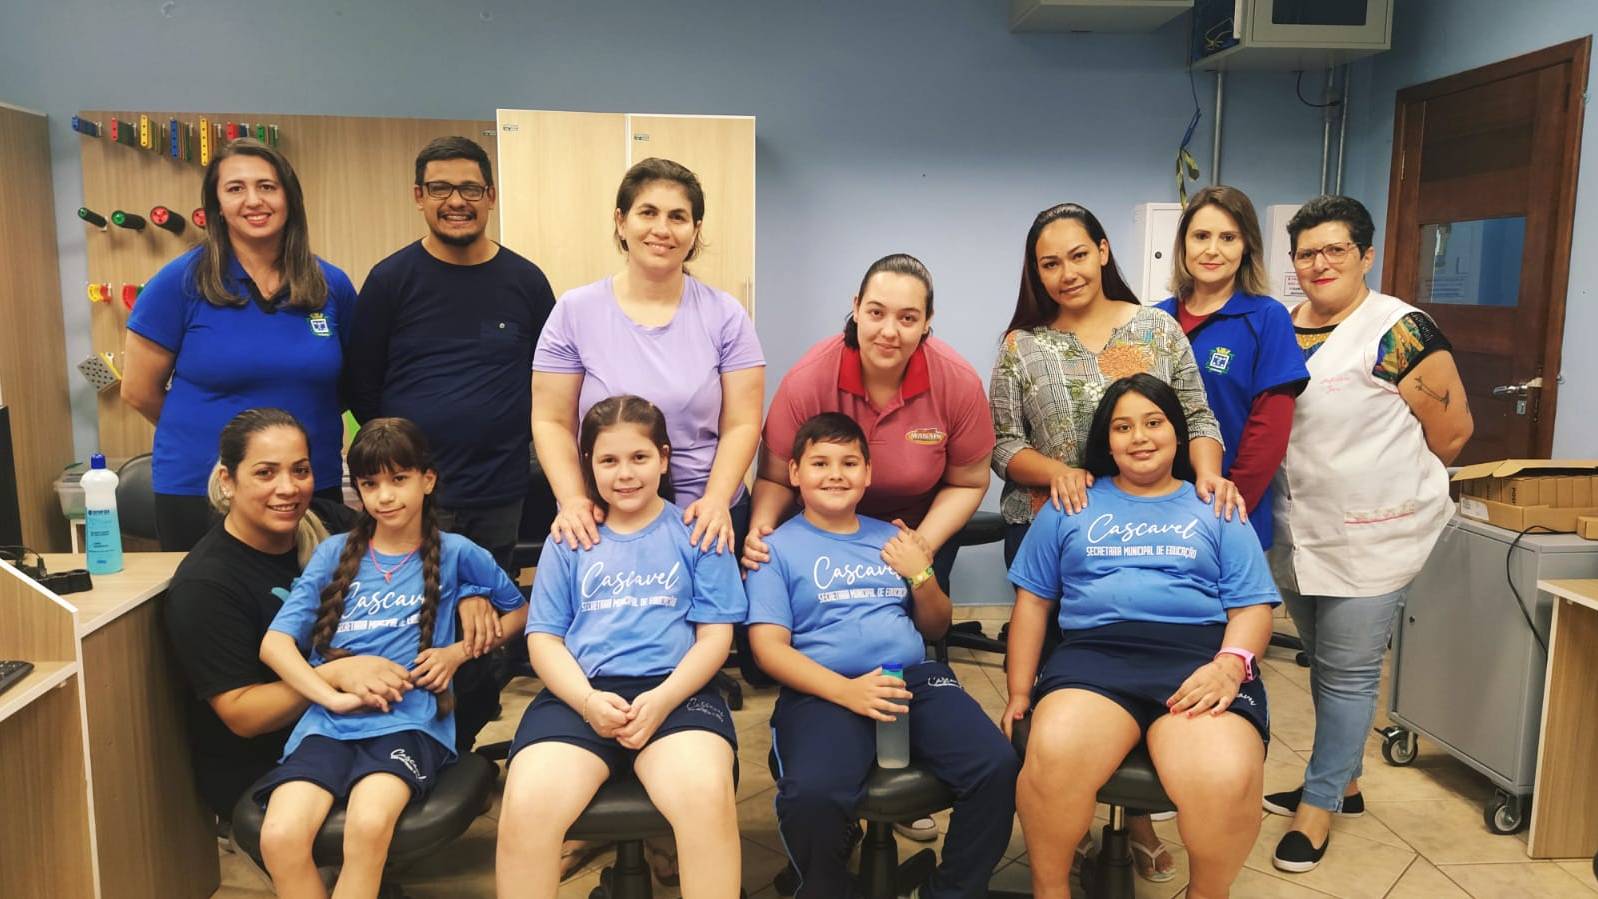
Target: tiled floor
[(1421, 838)]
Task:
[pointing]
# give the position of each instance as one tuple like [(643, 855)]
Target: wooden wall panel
[(33, 365), (356, 174)]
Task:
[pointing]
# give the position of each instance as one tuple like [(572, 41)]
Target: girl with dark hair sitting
[(390, 587), (1162, 608)]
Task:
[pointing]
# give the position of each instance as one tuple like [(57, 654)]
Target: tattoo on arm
[(1445, 397)]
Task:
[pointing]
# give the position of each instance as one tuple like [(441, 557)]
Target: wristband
[(1241, 653), (590, 695), (925, 575)]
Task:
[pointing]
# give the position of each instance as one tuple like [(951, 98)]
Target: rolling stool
[(902, 794), (622, 813), (461, 795), (1135, 784), (984, 527)]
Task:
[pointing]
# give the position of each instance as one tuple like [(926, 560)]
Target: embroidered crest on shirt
[(1220, 360), (319, 325), (925, 436)]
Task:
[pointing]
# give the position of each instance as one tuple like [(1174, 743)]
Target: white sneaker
[(922, 830)]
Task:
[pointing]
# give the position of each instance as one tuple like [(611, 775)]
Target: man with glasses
[(443, 334)]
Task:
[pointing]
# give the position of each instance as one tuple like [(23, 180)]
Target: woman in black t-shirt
[(225, 594)]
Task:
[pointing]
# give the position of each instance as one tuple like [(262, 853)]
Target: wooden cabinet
[(558, 173), (33, 365)]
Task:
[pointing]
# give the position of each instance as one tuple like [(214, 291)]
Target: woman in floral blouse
[(1078, 328)]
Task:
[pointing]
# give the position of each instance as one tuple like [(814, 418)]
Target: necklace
[(388, 573)]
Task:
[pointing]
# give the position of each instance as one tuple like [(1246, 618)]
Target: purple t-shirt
[(677, 366)]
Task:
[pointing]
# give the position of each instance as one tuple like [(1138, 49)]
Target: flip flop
[(576, 854), (662, 863), (1153, 874)]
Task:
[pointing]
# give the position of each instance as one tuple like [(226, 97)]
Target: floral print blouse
[(1046, 386)]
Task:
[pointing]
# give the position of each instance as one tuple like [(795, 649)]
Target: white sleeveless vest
[(1360, 498)]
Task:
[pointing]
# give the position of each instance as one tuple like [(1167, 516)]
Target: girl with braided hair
[(389, 587)]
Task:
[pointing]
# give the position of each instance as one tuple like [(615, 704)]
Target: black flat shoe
[(1287, 803), (1296, 855)]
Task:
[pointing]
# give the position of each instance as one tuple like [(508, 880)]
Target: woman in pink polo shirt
[(921, 405)]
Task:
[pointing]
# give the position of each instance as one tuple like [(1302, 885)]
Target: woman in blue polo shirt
[(1242, 339), (247, 319)]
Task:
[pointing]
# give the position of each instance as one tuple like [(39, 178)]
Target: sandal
[(576, 854), (1151, 871), (662, 862)]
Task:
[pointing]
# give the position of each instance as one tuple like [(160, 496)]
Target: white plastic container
[(102, 531), (893, 737)]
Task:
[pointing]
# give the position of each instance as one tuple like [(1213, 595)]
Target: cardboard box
[(1587, 527), (1529, 493)]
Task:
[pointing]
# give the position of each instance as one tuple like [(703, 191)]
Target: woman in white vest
[(1360, 498)]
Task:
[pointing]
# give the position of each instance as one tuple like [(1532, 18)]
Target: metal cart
[(1467, 670)]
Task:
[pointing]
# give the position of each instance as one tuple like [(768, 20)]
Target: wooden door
[(1479, 228), (557, 190)]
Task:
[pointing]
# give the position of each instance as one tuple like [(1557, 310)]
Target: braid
[(332, 608), (432, 548)]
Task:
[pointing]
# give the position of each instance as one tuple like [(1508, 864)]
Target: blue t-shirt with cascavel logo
[(628, 606), (380, 618), (231, 358), (1142, 558), (847, 609)]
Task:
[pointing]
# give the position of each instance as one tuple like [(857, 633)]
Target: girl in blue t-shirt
[(626, 636), (1162, 608), (389, 588)]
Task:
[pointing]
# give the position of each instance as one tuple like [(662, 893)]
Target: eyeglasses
[(1335, 253), (471, 191)]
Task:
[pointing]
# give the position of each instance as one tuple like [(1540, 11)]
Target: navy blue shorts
[(1139, 664), (336, 765), (548, 718)]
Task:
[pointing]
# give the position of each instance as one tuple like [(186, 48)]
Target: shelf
[(44, 677), (1103, 16)]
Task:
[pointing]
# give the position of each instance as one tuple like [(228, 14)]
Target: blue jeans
[(1345, 638)]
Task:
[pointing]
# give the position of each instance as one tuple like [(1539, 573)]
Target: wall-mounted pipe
[(1326, 127), (1342, 130), (1215, 148)]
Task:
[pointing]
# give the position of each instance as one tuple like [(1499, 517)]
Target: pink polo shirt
[(939, 419)]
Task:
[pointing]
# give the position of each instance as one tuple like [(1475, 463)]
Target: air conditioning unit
[(1288, 35)]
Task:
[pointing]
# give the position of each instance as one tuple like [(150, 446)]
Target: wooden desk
[(1564, 822), (147, 833)]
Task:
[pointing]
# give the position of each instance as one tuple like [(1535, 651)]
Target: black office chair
[(136, 498), (983, 528), (1134, 784), (621, 813), (902, 794), (423, 828)]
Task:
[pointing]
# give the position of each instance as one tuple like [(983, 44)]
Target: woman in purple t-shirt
[(655, 331)]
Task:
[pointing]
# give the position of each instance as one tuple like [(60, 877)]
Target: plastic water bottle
[(101, 530), (893, 737)]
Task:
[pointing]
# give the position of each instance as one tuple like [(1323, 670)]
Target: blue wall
[(1435, 38), (883, 126)]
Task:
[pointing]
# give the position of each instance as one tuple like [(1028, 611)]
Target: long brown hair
[(307, 287), (619, 410), (385, 445), (1034, 308), (1251, 271)]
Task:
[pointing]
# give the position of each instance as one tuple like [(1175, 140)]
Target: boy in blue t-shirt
[(843, 596)]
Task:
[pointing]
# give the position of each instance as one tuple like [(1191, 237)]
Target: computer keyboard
[(13, 671)]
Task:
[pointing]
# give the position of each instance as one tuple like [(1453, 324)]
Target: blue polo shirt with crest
[(231, 358), (1243, 349)]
